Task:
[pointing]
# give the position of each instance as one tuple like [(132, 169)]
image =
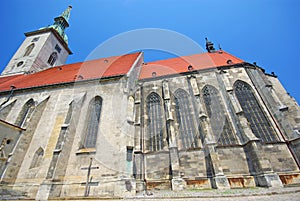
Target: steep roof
[(115, 66), (100, 68), (180, 64)]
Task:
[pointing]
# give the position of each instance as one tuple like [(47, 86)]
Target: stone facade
[(227, 125), (123, 161)]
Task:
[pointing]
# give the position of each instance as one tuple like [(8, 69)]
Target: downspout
[(12, 87)]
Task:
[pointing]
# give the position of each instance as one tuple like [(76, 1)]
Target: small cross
[(88, 178)]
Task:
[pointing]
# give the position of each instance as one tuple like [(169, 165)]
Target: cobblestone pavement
[(284, 197), (261, 194)]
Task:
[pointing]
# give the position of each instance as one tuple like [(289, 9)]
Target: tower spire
[(66, 13), (61, 23)]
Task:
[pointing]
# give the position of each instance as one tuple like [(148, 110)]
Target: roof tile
[(180, 64), (100, 68)]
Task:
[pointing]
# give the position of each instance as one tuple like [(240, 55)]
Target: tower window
[(29, 49), (20, 63), (57, 48), (52, 58), (35, 39)]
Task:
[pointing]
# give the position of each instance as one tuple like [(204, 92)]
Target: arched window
[(25, 113), (37, 158), (155, 123), (28, 50), (219, 121), (185, 119), (92, 123), (260, 125), (52, 58)]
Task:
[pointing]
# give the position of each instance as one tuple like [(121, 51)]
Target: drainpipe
[(12, 87)]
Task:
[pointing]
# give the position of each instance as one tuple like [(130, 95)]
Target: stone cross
[(87, 184)]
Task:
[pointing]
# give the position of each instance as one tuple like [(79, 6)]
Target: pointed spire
[(66, 13), (61, 23)]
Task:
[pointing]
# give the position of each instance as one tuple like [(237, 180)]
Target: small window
[(52, 58), (35, 39), (57, 48), (20, 63), (37, 158)]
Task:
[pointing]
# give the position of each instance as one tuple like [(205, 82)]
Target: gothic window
[(185, 119), (93, 119), (219, 122), (25, 113), (259, 123), (155, 123), (52, 58), (37, 158), (28, 50)]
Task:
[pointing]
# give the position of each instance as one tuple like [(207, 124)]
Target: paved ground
[(261, 194)]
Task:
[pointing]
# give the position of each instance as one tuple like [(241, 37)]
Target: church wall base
[(268, 180), (290, 179), (200, 183), (178, 184), (241, 182), (220, 182)]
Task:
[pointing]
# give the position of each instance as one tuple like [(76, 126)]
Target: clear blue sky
[(265, 31)]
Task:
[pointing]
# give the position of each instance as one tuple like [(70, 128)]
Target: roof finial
[(209, 46)]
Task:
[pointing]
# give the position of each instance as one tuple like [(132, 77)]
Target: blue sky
[(264, 31)]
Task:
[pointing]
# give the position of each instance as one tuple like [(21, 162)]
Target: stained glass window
[(93, 119), (155, 123), (185, 119), (259, 123), (220, 125)]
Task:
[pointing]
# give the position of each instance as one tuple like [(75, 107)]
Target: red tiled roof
[(100, 68), (180, 64), (114, 66)]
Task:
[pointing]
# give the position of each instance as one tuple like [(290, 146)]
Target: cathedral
[(118, 126)]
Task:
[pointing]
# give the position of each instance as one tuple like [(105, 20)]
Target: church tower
[(42, 49)]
